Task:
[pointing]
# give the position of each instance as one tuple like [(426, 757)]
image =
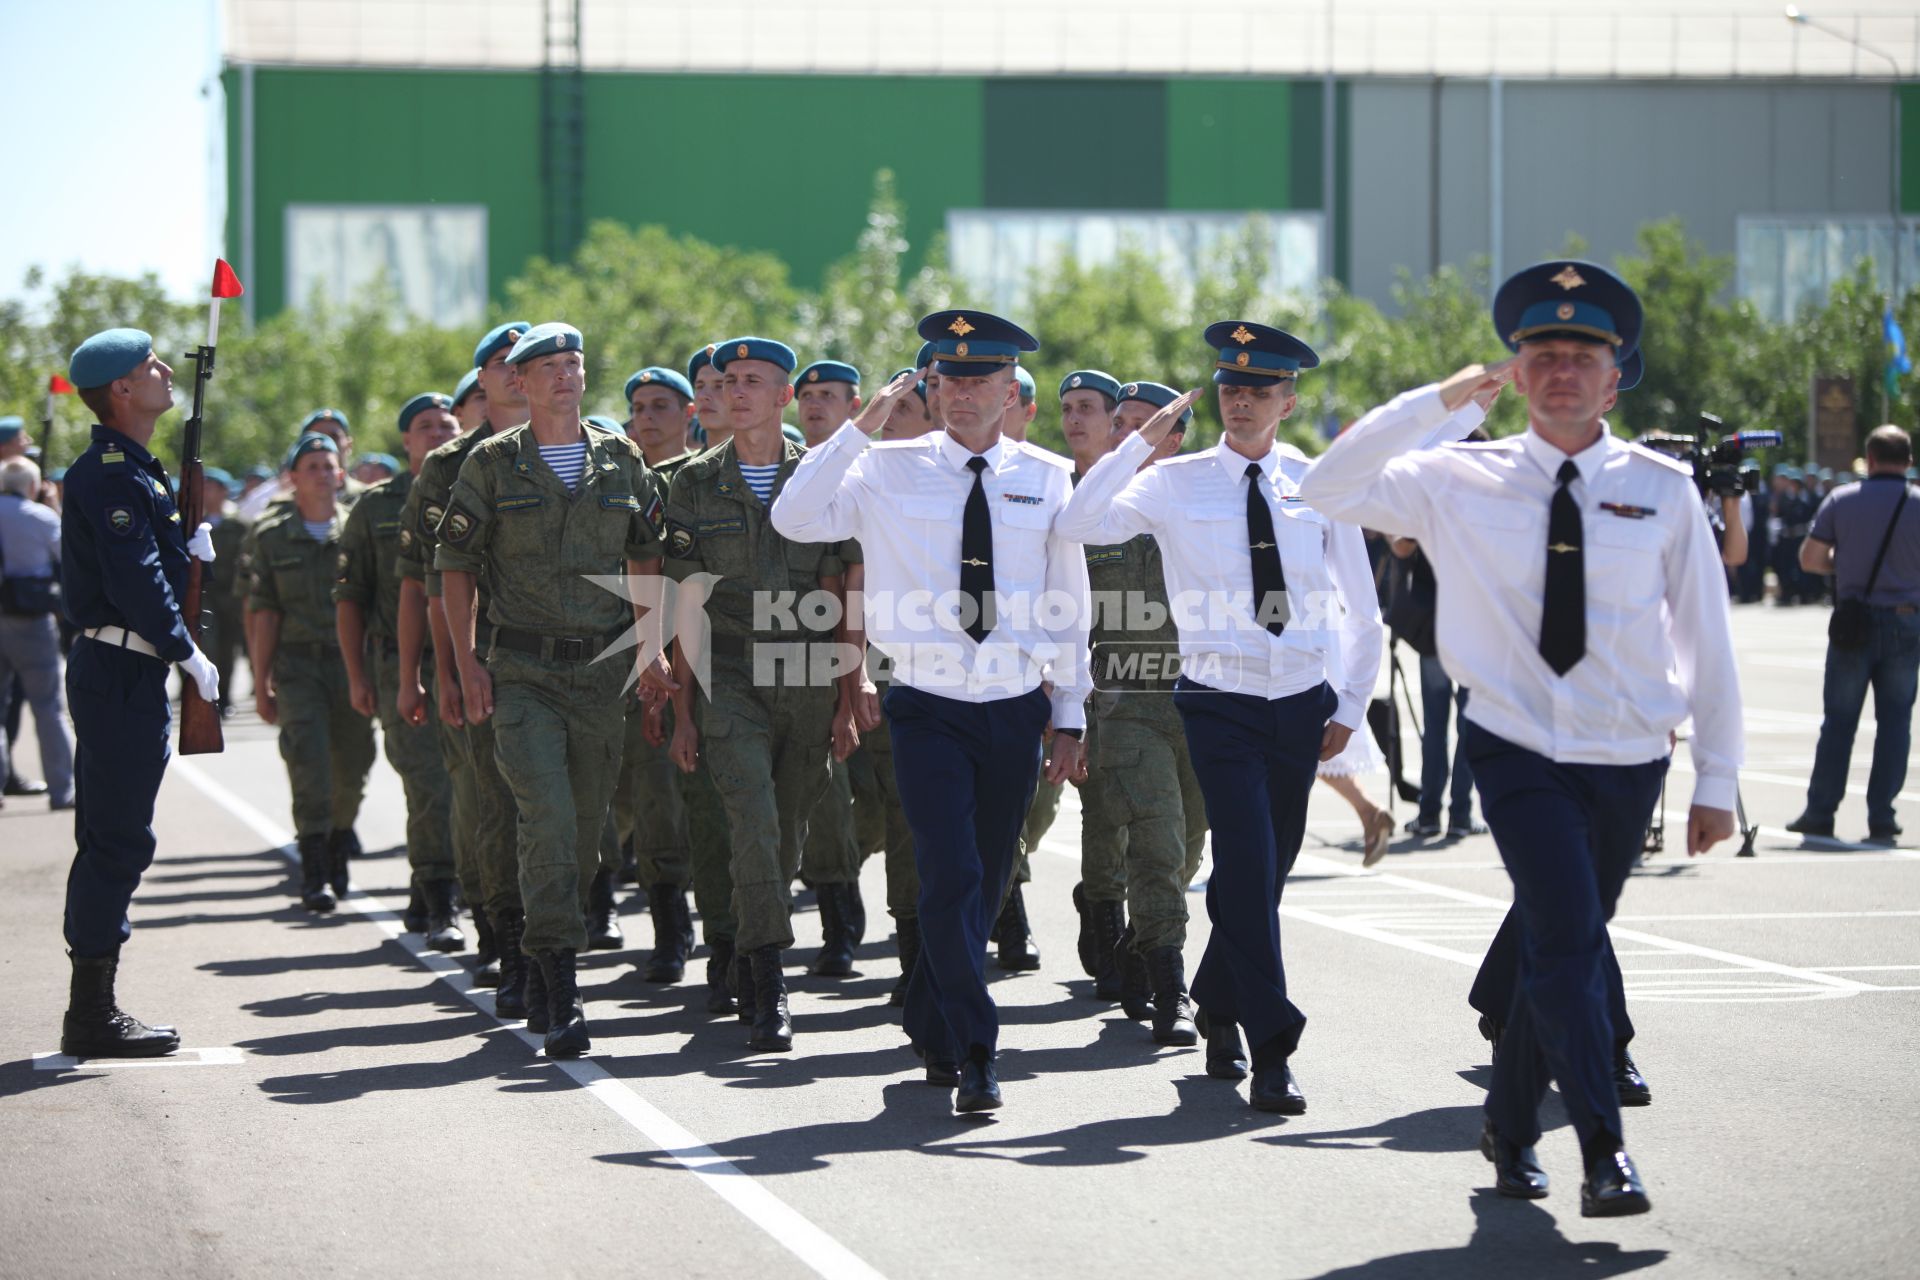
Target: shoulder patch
[(519, 502), (619, 501), (679, 539), (431, 514), (1097, 556), (122, 521), (656, 510), (458, 526)]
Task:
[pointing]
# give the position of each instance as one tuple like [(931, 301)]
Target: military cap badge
[(741, 351), (1564, 311), (962, 348), (1129, 389), (1074, 381), (1241, 359), (813, 376), (646, 375), (960, 327), (1568, 278), (1242, 336)]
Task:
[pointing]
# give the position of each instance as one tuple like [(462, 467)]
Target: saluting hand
[(1156, 428), (1474, 382), (880, 408)]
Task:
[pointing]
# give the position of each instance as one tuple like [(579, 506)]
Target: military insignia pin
[(1568, 278), (513, 335), (120, 518), (1074, 381), (1129, 389), (740, 351), (814, 376), (1241, 335), (560, 341), (960, 326), (1241, 359), (960, 349), (1564, 311)]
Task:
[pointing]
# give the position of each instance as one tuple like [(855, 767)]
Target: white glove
[(199, 668), (200, 545)]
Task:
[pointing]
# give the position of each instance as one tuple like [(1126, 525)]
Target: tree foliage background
[(644, 295)]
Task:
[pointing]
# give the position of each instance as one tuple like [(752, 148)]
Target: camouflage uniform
[(226, 600), (328, 747), (369, 577), (557, 710), (756, 728)]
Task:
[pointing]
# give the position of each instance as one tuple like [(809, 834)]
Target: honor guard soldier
[(300, 678), (366, 605), (483, 807), (968, 516), (1271, 683), (537, 512), (766, 721), (123, 574), (1581, 659), (1151, 814)]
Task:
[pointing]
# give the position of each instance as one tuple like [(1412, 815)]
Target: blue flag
[(1898, 362)]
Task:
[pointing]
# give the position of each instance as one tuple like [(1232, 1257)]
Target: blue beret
[(1156, 394), (105, 356), (321, 415), (602, 422), (919, 388), (667, 378), (828, 371), (698, 361), (972, 344), (465, 387), (499, 338), (793, 433), (1028, 392), (387, 460), (420, 404), (1563, 299), (724, 353), (259, 471), (1632, 369), (1090, 380), (924, 357), (11, 426), (1253, 355), (544, 340), (312, 442), (219, 476)]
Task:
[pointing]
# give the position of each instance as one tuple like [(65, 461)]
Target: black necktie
[(976, 555), (1269, 580), (1563, 617)]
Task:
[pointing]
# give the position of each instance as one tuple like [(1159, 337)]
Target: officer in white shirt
[(982, 607), (1275, 674), (1580, 656)]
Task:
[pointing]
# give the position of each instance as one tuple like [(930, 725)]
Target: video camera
[(1716, 465)]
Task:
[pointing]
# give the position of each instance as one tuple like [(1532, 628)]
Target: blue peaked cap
[(972, 344), (1252, 355), (1568, 299)]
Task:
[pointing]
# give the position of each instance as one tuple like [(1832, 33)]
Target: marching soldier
[(300, 678), (366, 604), (469, 401), (537, 511), (1571, 655)]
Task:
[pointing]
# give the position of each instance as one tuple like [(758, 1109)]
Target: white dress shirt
[(1195, 505), (1658, 641), (904, 499)]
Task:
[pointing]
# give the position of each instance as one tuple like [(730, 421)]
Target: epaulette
[(917, 442), (1504, 444), (1290, 452), (1654, 455), (1186, 459), (1029, 449)]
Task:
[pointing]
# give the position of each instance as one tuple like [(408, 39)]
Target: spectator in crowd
[(29, 630)]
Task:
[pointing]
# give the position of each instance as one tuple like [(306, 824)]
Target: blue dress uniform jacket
[(123, 558)]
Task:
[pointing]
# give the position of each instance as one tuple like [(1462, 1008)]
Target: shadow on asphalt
[(1435, 1131), (1510, 1237), (499, 1058)]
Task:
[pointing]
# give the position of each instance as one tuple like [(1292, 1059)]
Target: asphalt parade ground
[(346, 1104)]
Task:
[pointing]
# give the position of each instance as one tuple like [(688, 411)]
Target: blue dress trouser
[(1499, 976), (120, 717), (965, 772), (1255, 759), (1568, 834)]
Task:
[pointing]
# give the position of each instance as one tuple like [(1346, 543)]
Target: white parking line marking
[(780, 1220), (1863, 968), (1776, 915), (216, 1056)]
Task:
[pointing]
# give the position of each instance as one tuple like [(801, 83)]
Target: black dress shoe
[(1875, 835), (1808, 825), (1612, 1188), (1491, 1031), (1226, 1055), (979, 1088), (1628, 1082), (1273, 1089), (943, 1072), (1516, 1169)]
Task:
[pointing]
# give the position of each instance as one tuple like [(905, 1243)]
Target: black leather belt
[(554, 648), (741, 646)]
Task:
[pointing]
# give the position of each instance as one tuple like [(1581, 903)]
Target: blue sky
[(118, 167)]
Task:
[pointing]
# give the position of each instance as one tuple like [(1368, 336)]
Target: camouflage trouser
[(1149, 788), (903, 877), (464, 808), (495, 816), (226, 642), (710, 854), (328, 747), (414, 753), (1103, 832), (557, 736), (648, 808), (1040, 815), (832, 855), (869, 803), (767, 750)]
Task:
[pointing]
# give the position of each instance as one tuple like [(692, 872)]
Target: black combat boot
[(1017, 951), (1084, 943), (566, 1016), (486, 951), (684, 914), (603, 914), (1136, 992), (414, 918), (443, 918), (668, 963), (315, 861), (95, 1026), (743, 985), (1109, 925), (853, 913), (720, 976), (772, 1028), (510, 1001), (907, 933), (1172, 1010), (836, 935), (341, 845), (537, 1011)]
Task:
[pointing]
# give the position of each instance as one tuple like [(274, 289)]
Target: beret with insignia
[(311, 442), (465, 387), (699, 360), (113, 353), (1156, 394), (552, 338), (828, 371), (1091, 380), (499, 338), (325, 415), (767, 349), (667, 378), (420, 404)]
